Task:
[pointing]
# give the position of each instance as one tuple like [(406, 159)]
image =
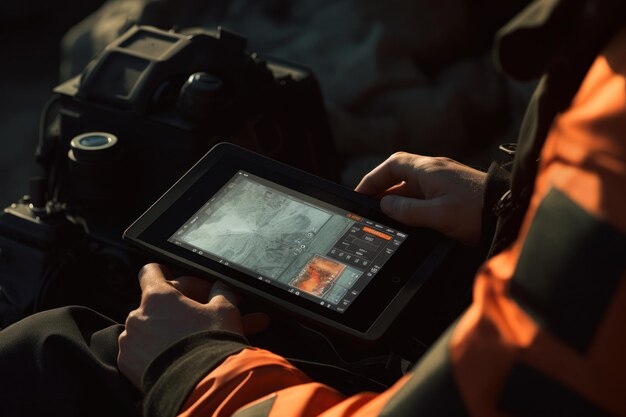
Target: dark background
[(30, 33)]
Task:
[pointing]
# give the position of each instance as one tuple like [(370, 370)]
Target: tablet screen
[(290, 240)]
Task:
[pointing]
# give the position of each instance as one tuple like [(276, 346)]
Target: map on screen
[(303, 245)]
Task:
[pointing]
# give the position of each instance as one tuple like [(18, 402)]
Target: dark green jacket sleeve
[(174, 373)]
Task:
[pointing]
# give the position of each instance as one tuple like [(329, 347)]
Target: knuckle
[(149, 269), (400, 157), (157, 297), (122, 343), (399, 154), (368, 177), (158, 291), (133, 319), (121, 339), (219, 302)]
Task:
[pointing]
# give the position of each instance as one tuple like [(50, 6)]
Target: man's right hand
[(438, 193)]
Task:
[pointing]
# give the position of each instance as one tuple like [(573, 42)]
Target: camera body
[(168, 97), (121, 133)]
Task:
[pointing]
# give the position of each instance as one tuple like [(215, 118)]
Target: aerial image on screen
[(290, 240)]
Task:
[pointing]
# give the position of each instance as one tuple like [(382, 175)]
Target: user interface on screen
[(285, 238)]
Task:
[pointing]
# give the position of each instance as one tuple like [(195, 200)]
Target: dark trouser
[(63, 363)]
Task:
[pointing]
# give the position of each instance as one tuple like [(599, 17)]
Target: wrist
[(174, 373)]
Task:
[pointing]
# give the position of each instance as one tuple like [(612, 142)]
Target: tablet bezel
[(371, 313)]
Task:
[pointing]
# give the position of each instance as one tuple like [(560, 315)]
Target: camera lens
[(96, 166), (94, 141), (94, 147)]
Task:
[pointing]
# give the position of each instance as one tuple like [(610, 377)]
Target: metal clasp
[(508, 148)]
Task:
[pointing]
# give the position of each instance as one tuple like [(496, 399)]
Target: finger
[(402, 189), (152, 275), (413, 211), (255, 323), (198, 289), (220, 294), (394, 170)]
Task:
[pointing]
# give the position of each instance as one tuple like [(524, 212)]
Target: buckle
[(508, 148), (503, 204)]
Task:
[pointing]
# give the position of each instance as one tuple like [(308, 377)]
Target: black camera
[(117, 136)]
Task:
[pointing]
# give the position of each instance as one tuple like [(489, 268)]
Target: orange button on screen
[(376, 233)]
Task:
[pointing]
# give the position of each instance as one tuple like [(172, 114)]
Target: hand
[(438, 193), (169, 311)]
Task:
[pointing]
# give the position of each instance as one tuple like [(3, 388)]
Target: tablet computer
[(306, 245)]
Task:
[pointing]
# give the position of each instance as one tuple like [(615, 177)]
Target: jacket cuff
[(174, 373), (498, 182)]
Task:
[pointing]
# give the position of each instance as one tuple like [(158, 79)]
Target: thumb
[(411, 211), (223, 305)]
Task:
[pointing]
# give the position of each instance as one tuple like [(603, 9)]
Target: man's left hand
[(169, 311)]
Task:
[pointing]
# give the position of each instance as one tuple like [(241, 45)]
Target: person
[(544, 334)]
